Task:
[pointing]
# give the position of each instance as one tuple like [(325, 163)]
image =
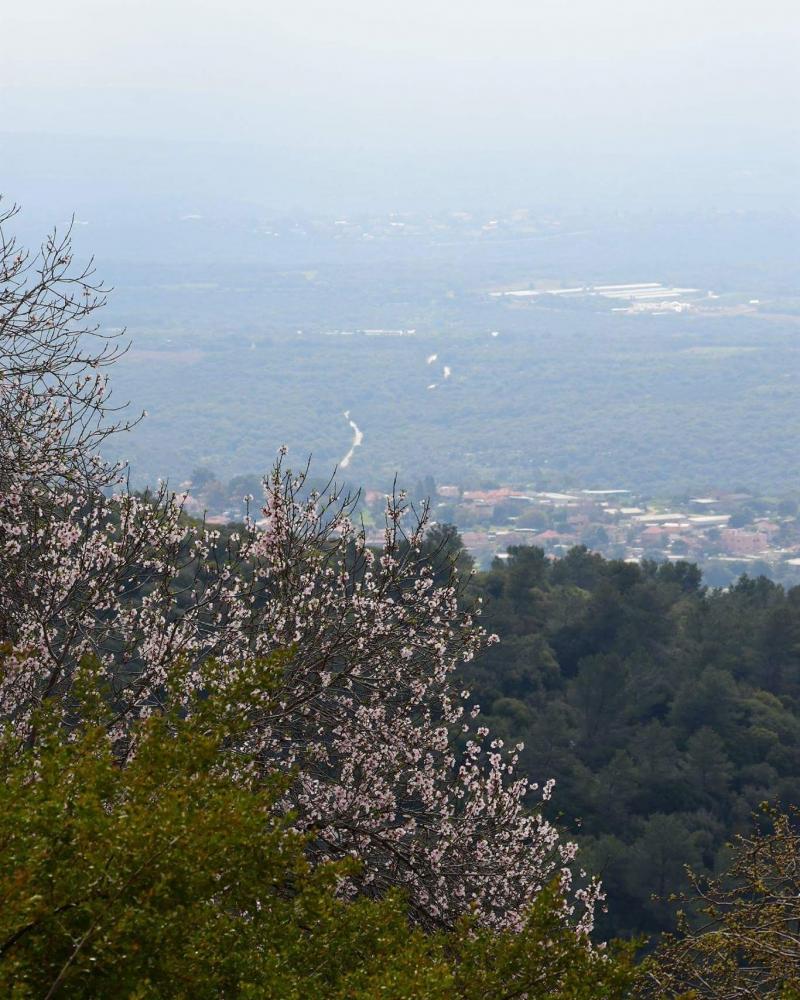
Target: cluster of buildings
[(636, 298), (727, 534)]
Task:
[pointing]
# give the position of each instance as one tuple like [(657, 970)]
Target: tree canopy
[(665, 711)]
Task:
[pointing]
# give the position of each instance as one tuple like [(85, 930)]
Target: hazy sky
[(449, 94)]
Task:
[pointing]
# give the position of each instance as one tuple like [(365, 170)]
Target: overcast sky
[(454, 90)]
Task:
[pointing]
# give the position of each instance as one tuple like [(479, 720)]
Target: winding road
[(358, 437)]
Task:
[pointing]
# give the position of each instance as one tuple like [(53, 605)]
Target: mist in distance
[(379, 106)]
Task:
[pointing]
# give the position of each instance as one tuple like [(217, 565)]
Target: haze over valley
[(655, 353)]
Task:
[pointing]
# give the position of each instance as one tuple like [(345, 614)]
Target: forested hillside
[(665, 711)]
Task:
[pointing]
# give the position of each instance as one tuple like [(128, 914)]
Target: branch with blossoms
[(53, 362)]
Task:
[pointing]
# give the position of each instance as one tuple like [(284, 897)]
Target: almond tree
[(388, 760)]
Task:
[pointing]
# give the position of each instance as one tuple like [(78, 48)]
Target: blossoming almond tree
[(388, 758)]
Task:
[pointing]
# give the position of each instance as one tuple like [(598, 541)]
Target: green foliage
[(163, 868), (666, 712)]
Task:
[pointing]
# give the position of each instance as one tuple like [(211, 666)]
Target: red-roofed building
[(738, 542), (488, 496)]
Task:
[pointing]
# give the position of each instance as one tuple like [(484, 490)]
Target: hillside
[(665, 711)]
